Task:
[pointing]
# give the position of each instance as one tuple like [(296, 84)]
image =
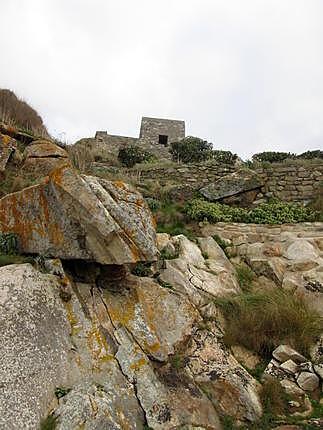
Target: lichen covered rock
[(79, 217)]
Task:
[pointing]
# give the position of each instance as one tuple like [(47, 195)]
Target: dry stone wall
[(295, 182)]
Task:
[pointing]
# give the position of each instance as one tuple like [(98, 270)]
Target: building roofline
[(163, 119)]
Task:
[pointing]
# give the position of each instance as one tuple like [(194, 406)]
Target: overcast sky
[(246, 75)]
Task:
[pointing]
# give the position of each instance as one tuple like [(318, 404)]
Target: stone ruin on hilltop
[(155, 136)]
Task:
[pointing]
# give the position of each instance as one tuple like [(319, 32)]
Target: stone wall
[(292, 182), (238, 233)]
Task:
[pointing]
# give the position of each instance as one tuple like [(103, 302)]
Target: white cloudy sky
[(244, 74)]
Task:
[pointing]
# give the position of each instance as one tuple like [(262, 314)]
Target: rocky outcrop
[(8, 146), (201, 279), (243, 184), (290, 256), (42, 157), (78, 217)]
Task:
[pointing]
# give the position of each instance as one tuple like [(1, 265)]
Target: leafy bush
[(274, 212), (272, 156), (8, 243), (309, 155), (268, 318), (191, 149), (225, 157), (131, 155)]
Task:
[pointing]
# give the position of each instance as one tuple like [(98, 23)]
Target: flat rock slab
[(230, 185), (44, 148), (70, 216)]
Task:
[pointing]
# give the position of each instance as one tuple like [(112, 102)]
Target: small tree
[(191, 149)]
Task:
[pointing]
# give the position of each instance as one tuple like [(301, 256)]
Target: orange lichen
[(120, 184), (138, 364)]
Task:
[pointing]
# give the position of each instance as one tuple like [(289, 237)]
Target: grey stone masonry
[(161, 131)]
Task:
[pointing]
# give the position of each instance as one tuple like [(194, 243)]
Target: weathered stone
[(319, 370), (80, 217), (301, 250), (35, 345), (7, 147), (229, 386), (272, 268), (284, 352), (157, 318), (308, 381), (291, 388), (167, 406), (162, 240), (201, 280), (44, 149), (100, 406), (289, 366), (236, 183), (247, 358)]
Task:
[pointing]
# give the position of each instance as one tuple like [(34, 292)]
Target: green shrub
[(273, 156), (224, 157), (142, 269), (274, 212), (131, 155), (8, 243), (153, 204), (262, 320), (201, 210), (191, 149), (309, 155), (222, 243)]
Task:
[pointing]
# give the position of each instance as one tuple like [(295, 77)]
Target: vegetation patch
[(48, 423), (261, 320), (8, 243), (132, 154), (245, 276), (273, 212)]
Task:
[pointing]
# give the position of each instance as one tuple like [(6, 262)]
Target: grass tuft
[(262, 320)]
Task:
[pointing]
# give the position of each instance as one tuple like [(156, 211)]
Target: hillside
[(161, 295), (18, 113)]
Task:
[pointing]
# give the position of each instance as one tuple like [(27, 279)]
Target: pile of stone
[(288, 364)]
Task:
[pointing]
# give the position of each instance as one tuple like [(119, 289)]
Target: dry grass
[(261, 320), (18, 113)]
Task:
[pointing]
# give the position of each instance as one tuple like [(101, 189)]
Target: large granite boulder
[(244, 184), (42, 157), (79, 217)]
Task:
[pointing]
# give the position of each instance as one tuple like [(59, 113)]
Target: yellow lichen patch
[(122, 313), (56, 175), (138, 364), (98, 346), (5, 139), (120, 184), (75, 326)]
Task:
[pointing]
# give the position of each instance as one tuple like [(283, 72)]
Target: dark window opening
[(163, 140)]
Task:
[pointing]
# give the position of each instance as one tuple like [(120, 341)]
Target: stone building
[(156, 134)]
